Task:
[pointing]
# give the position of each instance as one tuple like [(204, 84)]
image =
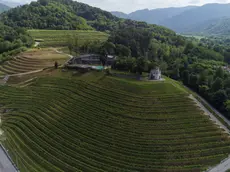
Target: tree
[(141, 65), (202, 80), (186, 77), (218, 98), (203, 90), (188, 47), (193, 81), (210, 80), (227, 83), (217, 84), (109, 47), (220, 73), (122, 50), (163, 66), (227, 107)]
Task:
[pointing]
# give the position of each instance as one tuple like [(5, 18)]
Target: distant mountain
[(190, 19), (11, 3), (3, 8), (206, 19), (154, 16), (120, 14), (219, 27)]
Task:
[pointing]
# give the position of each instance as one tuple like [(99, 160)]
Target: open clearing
[(32, 60), (60, 38), (104, 123)]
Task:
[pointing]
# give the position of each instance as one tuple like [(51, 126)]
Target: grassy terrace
[(58, 38), (108, 124), (32, 60)]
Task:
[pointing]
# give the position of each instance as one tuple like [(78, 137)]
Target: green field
[(59, 38), (109, 124)]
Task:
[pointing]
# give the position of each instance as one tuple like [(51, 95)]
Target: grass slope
[(59, 38), (108, 124), (32, 60)]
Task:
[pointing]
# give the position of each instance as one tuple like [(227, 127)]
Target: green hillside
[(107, 125), (69, 15), (61, 37), (58, 14), (219, 27)]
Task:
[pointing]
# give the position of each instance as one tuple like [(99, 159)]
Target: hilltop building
[(155, 74)]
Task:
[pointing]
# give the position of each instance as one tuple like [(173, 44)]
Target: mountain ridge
[(190, 19)]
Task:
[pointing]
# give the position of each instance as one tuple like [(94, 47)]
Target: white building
[(155, 74)]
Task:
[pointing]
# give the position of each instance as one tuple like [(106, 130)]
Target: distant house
[(91, 59), (155, 74)]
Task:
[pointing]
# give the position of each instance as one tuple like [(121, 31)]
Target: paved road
[(222, 167), (5, 163), (212, 117), (217, 112), (225, 164)]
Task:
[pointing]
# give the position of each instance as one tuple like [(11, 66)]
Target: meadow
[(57, 124), (60, 38)]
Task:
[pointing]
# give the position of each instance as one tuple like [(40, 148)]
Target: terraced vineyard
[(21, 65), (59, 38), (111, 124), (31, 61)]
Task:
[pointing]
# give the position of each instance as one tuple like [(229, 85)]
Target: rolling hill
[(155, 16), (216, 27), (207, 19), (107, 124), (197, 16), (59, 15)]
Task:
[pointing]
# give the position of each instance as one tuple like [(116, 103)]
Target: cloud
[(132, 5)]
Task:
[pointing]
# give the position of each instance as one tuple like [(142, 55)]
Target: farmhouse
[(91, 59), (155, 74)]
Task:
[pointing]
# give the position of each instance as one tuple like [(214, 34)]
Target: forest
[(13, 41)]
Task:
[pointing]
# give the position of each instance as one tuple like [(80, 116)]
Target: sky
[(128, 6)]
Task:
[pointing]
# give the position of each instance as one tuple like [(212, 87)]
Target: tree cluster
[(12, 40)]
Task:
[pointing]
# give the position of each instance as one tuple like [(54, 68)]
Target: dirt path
[(213, 109), (26, 73), (61, 52)]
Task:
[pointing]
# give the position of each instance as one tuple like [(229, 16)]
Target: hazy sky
[(133, 5)]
